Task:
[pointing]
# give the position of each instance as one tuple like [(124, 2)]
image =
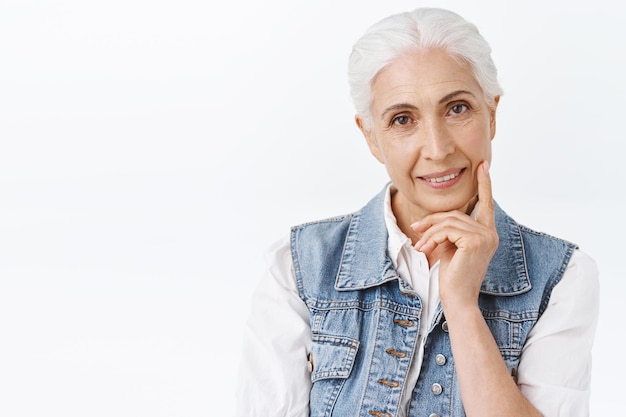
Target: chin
[(451, 205)]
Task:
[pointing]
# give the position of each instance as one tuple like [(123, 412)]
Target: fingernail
[(486, 167)]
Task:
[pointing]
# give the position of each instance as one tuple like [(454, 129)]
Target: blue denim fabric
[(364, 319)]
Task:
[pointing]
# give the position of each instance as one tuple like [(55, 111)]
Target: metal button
[(310, 363), (444, 326), (434, 415), (436, 389), (440, 360)]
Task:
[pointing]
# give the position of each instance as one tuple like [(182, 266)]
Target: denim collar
[(365, 249)]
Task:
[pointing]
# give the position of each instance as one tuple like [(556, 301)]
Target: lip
[(443, 179)]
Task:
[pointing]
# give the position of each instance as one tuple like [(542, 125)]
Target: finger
[(486, 211), (451, 228), (448, 236), (436, 218)]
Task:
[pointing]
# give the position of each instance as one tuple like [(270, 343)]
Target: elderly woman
[(430, 300)]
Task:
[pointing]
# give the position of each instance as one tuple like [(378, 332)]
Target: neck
[(406, 214)]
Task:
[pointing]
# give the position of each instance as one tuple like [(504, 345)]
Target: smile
[(444, 178)]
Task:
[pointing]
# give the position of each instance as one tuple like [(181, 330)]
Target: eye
[(401, 120), (459, 108)]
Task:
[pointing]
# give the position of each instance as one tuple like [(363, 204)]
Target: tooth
[(444, 178)]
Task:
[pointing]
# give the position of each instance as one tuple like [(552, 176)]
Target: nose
[(436, 141)]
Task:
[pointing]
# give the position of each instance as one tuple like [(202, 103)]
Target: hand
[(464, 246)]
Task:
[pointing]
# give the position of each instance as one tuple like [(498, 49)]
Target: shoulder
[(532, 234), (546, 249), (582, 262), (323, 224), (318, 243), (530, 250), (535, 245), (365, 222), (504, 220), (319, 238), (582, 276), (580, 284)]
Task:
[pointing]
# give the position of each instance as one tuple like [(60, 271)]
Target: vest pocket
[(332, 356)]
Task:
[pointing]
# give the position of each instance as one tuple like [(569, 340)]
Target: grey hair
[(423, 28)]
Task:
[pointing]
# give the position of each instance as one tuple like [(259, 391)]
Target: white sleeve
[(274, 380), (555, 369)]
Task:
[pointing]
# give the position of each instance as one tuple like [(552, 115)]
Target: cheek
[(400, 154), (478, 144)]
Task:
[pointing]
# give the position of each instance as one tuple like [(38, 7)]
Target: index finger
[(486, 210)]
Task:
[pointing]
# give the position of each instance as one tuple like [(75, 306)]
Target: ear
[(492, 116), (369, 136)]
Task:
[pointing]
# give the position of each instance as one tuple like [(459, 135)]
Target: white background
[(151, 150)]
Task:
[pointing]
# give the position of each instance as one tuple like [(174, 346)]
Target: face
[(431, 127)]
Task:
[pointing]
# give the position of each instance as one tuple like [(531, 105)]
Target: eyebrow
[(407, 106), (399, 106), (454, 94)]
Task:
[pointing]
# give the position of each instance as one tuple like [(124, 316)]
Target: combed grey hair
[(421, 29)]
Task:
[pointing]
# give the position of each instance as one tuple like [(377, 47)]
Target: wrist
[(461, 309)]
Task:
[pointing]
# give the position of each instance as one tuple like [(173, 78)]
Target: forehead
[(424, 76)]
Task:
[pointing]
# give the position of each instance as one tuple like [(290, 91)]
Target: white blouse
[(554, 373)]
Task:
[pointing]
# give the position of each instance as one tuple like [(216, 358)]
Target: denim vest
[(364, 319)]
